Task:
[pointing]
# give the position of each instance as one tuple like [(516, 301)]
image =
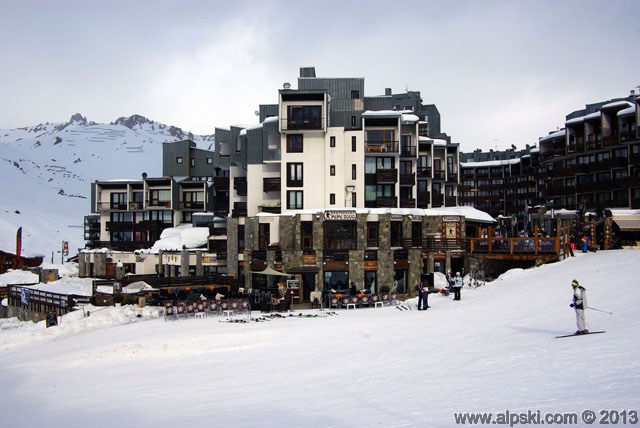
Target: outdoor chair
[(385, 299), (365, 301), (394, 298), (213, 307), (345, 301), (334, 302), (181, 309), (169, 311), (191, 309), (201, 309), (377, 303)]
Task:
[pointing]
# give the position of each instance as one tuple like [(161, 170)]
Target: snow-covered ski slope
[(493, 351)]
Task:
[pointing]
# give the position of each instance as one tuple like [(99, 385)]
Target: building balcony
[(437, 200), (158, 204), (239, 209), (407, 179), (439, 174), (221, 183), (387, 176), (423, 172), (407, 203), (150, 226), (423, 199), (191, 205), (450, 201), (303, 124), (408, 152), (118, 226), (271, 184), (221, 208), (240, 185), (271, 210), (381, 147), (383, 202), (452, 178)]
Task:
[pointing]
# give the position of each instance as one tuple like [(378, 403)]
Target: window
[(340, 235), (304, 117), (396, 234), (294, 175), (160, 198), (137, 200), (332, 170), (332, 198), (354, 174), (354, 146), (332, 141), (240, 238), (294, 200), (372, 234), (355, 94), (193, 162), (179, 160), (353, 121), (264, 236), (416, 234), (209, 161), (118, 201), (353, 200), (306, 234), (294, 143)]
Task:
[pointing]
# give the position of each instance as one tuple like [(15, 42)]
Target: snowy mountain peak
[(78, 119), (51, 165)]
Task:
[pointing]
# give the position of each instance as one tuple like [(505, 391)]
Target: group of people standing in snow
[(422, 289)]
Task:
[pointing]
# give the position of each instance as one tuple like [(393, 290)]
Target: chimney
[(387, 91)]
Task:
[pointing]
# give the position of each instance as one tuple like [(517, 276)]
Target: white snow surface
[(495, 350)]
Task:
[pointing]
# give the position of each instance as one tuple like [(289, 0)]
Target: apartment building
[(594, 162), (502, 183), (325, 155)]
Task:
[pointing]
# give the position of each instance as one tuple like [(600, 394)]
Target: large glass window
[(336, 280), (340, 235), (304, 117)]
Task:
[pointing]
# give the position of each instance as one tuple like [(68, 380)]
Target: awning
[(628, 223), (270, 271)]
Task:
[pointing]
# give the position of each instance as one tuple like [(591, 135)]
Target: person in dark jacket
[(579, 303), (422, 289)]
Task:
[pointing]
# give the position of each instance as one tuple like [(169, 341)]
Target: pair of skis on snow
[(579, 334)]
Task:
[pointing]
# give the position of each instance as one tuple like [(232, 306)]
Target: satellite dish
[(144, 175)]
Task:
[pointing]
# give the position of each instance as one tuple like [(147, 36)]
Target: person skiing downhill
[(579, 304)]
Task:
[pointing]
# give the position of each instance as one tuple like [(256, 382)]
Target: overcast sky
[(500, 72)]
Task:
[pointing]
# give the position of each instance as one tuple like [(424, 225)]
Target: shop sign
[(450, 218), (371, 265), (340, 215)]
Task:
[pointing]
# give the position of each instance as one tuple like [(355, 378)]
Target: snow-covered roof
[(628, 110), (560, 133), (617, 104), (489, 163), (575, 120), (435, 141), (381, 113), (406, 117), (469, 213), (184, 236)]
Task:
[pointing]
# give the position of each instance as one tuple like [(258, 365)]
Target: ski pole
[(600, 310)]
